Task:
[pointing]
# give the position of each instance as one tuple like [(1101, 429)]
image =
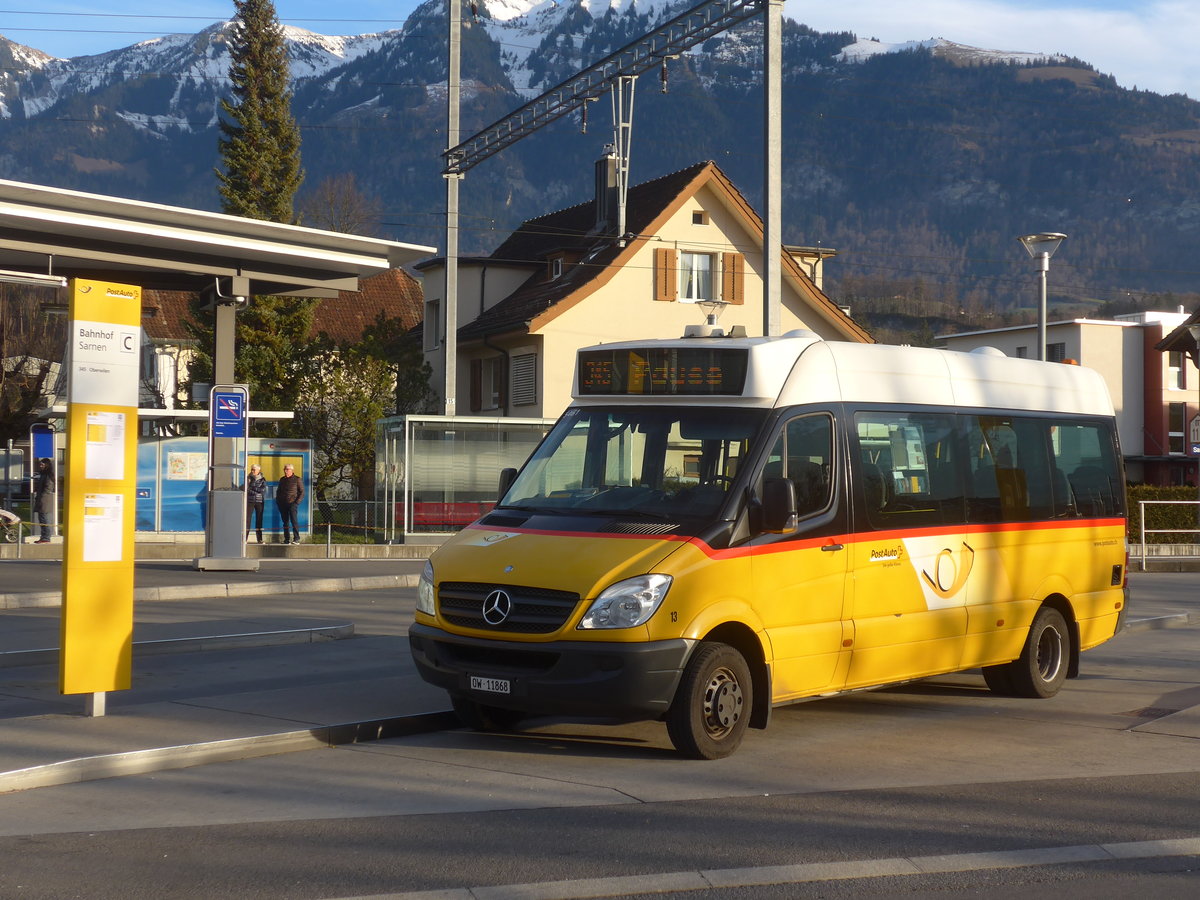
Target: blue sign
[(228, 414), (41, 440)]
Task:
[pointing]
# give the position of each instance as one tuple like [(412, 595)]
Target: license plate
[(491, 685)]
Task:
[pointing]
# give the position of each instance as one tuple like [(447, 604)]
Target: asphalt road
[(880, 782)]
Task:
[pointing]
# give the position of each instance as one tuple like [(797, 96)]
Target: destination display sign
[(657, 371)]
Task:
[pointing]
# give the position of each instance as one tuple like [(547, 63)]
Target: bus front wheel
[(711, 709), (1042, 667)]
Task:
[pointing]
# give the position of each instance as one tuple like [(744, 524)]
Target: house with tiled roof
[(566, 280), (393, 294)]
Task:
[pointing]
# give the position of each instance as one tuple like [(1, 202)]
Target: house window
[(433, 324), (695, 277), (487, 383), (556, 267), (699, 217), (1176, 423), (1175, 370), (688, 276), (1022, 353), (524, 379), (1056, 352)]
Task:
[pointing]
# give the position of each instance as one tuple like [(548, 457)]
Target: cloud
[(1149, 44)]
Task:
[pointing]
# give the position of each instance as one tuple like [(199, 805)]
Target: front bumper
[(576, 678)]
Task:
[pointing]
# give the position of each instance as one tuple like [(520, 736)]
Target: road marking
[(707, 879)]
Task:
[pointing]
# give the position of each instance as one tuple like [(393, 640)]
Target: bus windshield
[(653, 462)]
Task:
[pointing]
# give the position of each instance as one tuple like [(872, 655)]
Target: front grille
[(534, 610)]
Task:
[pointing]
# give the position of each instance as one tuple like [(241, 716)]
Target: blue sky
[(1151, 44)]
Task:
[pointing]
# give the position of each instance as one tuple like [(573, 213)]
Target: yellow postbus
[(718, 526)]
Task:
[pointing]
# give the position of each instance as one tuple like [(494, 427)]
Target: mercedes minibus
[(718, 526)]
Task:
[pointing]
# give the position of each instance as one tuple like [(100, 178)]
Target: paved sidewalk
[(30, 583), (263, 693), (267, 691)]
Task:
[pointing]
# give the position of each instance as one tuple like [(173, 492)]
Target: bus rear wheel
[(1042, 667), (481, 717), (711, 709)]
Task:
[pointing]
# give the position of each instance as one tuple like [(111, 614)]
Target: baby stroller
[(8, 526)]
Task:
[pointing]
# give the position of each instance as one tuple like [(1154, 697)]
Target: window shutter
[(476, 385), (524, 379), (733, 278), (666, 279)]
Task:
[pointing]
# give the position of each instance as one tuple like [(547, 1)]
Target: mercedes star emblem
[(497, 606)]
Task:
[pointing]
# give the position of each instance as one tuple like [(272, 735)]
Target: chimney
[(606, 191)]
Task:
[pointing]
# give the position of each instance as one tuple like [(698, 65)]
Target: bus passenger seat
[(877, 487), (1093, 492), (1064, 502), (809, 478)]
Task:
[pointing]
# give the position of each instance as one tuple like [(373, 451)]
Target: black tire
[(481, 717), (1045, 659), (712, 705), (999, 679)]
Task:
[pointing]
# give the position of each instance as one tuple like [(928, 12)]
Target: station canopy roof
[(49, 231)]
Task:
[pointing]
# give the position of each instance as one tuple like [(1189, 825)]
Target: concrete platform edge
[(140, 762)]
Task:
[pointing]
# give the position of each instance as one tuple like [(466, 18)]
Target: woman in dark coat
[(256, 495)]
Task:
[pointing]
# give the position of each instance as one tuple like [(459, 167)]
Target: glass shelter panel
[(438, 474)]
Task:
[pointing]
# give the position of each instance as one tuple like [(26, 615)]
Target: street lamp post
[(1041, 247)]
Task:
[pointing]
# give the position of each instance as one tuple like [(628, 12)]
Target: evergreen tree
[(260, 151), (259, 143)]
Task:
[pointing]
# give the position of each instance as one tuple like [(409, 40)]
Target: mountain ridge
[(922, 159)]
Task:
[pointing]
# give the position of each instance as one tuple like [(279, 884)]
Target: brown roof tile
[(165, 315), (395, 294), (571, 229), (574, 229)]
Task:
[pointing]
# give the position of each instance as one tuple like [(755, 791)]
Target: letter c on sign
[(127, 342)]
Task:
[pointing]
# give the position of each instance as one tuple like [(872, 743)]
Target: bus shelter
[(434, 475)]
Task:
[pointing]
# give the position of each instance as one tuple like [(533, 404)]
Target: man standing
[(288, 494), (43, 498), (256, 494)]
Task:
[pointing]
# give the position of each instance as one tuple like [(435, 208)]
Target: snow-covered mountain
[(537, 44), (916, 150), (195, 66), (960, 54)]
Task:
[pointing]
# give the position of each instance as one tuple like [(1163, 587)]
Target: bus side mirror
[(507, 477), (779, 507)]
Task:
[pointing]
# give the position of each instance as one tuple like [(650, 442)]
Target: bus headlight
[(425, 590), (627, 603)]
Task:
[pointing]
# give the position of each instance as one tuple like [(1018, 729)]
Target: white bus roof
[(800, 368)]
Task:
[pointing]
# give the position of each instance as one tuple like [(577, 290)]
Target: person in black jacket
[(43, 498), (256, 495), (288, 494)]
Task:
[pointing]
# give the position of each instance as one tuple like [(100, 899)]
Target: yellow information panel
[(97, 607)]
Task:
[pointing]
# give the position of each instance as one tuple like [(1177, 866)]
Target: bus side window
[(1015, 477), (1085, 454), (910, 469), (803, 453)]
